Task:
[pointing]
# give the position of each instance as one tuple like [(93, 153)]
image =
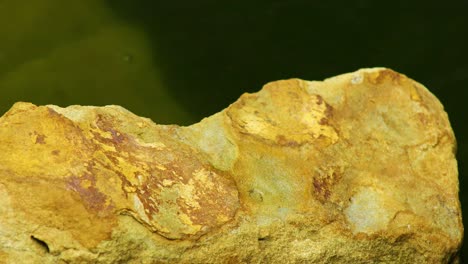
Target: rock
[(359, 168)]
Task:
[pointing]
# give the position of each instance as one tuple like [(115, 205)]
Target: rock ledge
[(358, 168)]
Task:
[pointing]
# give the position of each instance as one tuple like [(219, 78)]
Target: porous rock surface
[(359, 168)]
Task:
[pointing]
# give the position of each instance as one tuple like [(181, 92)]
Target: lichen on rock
[(356, 168)]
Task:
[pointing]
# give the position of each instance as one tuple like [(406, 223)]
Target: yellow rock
[(357, 168)]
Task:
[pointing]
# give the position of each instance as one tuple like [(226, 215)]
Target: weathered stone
[(358, 168)]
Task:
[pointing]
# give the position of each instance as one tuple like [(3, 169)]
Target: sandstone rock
[(359, 168)]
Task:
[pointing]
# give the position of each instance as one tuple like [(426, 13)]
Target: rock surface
[(359, 168)]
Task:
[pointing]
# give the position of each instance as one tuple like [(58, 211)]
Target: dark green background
[(179, 61)]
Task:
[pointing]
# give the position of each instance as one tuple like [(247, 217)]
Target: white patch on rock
[(367, 212), (357, 79)]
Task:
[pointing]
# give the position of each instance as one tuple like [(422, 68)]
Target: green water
[(80, 52)]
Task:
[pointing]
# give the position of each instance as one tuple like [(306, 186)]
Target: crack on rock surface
[(41, 243)]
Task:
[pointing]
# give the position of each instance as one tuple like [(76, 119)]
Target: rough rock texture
[(358, 168)]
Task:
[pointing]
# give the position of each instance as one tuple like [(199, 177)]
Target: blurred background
[(179, 61)]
